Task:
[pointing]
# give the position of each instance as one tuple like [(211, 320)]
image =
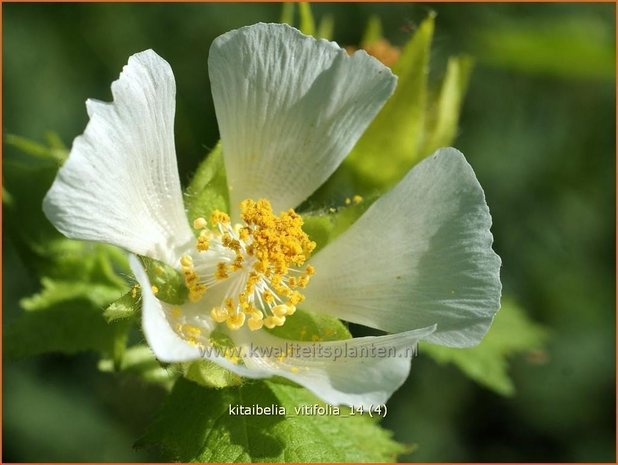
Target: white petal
[(420, 255), (289, 108), (120, 184), (357, 372)]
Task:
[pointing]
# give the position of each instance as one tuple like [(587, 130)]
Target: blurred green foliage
[(538, 127)]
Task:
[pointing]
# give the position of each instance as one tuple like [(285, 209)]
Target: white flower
[(417, 264)]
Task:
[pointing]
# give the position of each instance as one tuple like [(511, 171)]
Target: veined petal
[(289, 108), (357, 372), (420, 255), (120, 184)]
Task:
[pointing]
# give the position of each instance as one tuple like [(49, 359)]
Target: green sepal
[(397, 131), (307, 23), (195, 425), (373, 32), (208, 188), (443, 112), (512, 333)]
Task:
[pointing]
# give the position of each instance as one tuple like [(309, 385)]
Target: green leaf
[(55, 150), (512, 333), (127, 307), (563, 47), (195, 424), (208, 188), (398, 129), (140, 361), (209, 374), (56, 292), (69, 326), (443, 113)]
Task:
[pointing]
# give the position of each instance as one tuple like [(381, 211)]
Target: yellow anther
[(155, 290), (221, 272), (202, 241), (357, 199), (268, 296), (219, 314), (348, 201), (310, 270), (279, 320), (134, 291), (303, 281), (199, 223), (280, 310), (291, 309), (235, 321), (192, 331), (295, 298), (219, 217), (269, 322), (255, 323), (186, 261)]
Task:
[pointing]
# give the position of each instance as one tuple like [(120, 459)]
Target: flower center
[(260, 261)]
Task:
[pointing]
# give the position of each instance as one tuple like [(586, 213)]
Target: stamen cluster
[(260, 259)]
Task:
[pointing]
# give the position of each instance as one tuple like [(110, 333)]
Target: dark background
[(538, 126)]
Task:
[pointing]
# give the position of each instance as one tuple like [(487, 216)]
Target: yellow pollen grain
[(357, 199), (134, 290), (348, 201), (155, 290)]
